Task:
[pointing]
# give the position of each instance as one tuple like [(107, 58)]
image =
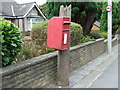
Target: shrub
[(86, 39), (11, 41), (95, 34), (76, 34), (29, 50), (103, 35), (39, 38), (39, 35)]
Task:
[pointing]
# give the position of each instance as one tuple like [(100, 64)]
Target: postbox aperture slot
[(66, 26), (66, 22)]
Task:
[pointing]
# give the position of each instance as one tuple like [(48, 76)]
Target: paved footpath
[(104, 75), (101, 72), (109, 77)]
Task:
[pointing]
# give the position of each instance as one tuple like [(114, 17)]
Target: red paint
[(58, 33), (109, 8)]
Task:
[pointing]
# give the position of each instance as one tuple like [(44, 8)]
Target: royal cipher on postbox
[(58, 33)]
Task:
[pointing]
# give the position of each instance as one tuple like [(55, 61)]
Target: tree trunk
[(86, 22), (89, 23)]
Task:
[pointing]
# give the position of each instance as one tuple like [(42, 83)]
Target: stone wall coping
[(114, 39), (24, 64), (86, 44)]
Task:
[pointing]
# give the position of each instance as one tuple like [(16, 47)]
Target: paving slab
[(81, 72), (87, 81), (90, 67)]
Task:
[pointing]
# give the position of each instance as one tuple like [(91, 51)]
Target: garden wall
[(41, 71), (115, 41)]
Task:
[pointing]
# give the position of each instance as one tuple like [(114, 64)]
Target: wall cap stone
[(86, 44), (114, 39)]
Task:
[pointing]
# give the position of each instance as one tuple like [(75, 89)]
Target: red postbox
[(58, 33)]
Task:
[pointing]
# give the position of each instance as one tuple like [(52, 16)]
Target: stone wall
[(41, 71), (114, 42), (86, 52)]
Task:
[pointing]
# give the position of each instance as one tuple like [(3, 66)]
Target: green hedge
[(76, 34), (11, 40), (38, 46), (39, 34), (98, 34)]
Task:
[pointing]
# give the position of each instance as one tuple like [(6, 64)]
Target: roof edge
[(34, 4), (12, 10)]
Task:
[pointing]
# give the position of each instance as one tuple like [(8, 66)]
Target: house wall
[(95, 27), (41, 71), (19, 23), (34, 11), (23, 24), (15, 21)]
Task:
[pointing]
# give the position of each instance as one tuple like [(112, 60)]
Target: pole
[(110, 28), (64, 55)]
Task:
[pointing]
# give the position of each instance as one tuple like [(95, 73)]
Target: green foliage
[(115, 17), (103, 35), (11, 41), (76, 34), (103, 21), (96, 34), (44, 8), (99, 11), (87, 38), (29, 50), (83, 13), (39, 34)]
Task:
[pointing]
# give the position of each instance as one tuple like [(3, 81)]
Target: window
[(33, 21)]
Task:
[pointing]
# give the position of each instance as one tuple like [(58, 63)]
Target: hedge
[(11, 40), (39, 34), (38, 46)]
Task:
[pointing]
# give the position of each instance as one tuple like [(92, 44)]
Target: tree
[(44, 8), (103, 21), (99, 11), (115, 17), (82, 13)]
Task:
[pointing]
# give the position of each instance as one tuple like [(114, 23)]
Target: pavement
[(109, 77), (101, 72)]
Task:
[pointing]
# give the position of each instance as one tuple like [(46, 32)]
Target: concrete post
[(64, 55)]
